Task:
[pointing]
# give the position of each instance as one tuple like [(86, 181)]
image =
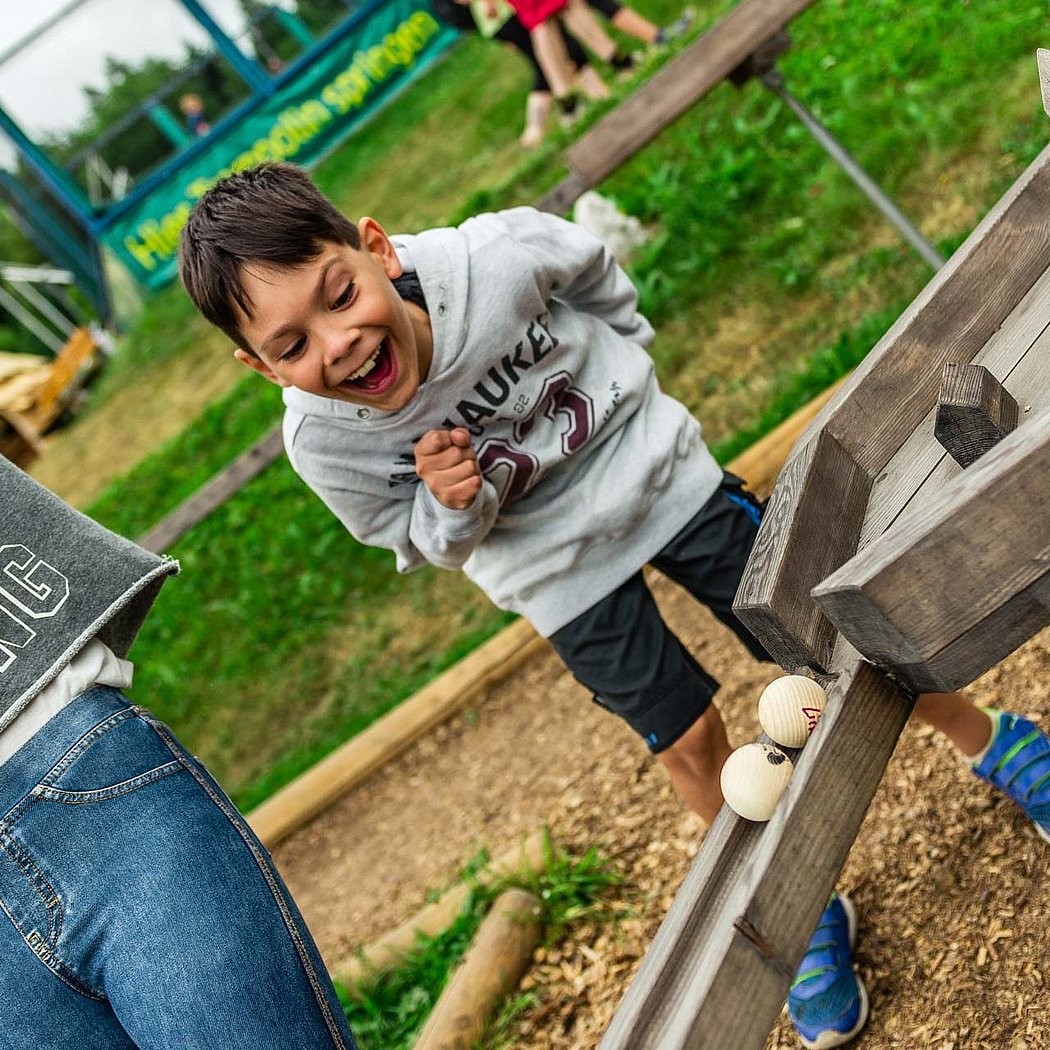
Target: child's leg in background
[(588, 30), (139, 910), (965, 725), (553, 56)]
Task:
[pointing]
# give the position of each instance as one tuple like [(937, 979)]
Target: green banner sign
[(299, 123)]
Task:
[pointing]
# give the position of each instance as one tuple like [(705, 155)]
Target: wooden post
[(974, 412), (718, 971), (1043, 59), (488, 973), (809, 529)]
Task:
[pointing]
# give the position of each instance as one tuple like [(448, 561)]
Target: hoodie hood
[(64, 579)]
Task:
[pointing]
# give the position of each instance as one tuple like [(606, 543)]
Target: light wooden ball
[(753, 779), (789, 709)]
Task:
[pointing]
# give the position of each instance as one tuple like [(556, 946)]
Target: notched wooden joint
[(974, 412), (761, 60)]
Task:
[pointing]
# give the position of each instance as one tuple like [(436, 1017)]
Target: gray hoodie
[(63, 580), (589, 470)]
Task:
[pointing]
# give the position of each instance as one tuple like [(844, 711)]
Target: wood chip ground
[(949, 878)]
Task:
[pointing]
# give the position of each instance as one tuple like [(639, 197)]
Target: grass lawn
[(767, 276)]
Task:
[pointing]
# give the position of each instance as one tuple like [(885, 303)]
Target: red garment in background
[(532, 13)]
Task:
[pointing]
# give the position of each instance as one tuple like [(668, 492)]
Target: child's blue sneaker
[(1017, 762), (828, 1002)]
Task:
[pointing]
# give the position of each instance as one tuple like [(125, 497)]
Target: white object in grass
[(753, 779), (600, 216), (789, 709)]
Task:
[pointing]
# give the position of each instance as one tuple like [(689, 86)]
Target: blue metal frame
[(57, 181), (98, 223)]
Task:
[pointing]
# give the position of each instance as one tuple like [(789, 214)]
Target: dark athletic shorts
[(622, 649)]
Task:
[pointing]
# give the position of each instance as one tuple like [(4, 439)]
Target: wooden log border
[(494, 964), (528, 858), (316, 789)]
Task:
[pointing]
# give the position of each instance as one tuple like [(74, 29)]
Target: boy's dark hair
[(270, 214)]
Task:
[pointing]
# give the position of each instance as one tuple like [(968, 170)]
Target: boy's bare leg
[(695, 760), (551, 54), (631, 22), (695, 763), (967, 726), (588, 30)]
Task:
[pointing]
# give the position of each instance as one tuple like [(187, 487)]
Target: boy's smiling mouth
[(377, 374)]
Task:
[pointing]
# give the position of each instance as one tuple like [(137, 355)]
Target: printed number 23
[(513, 470)]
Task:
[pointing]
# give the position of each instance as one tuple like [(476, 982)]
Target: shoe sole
[(827, 1040)]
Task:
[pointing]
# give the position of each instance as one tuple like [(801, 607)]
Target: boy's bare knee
[(702, 747)]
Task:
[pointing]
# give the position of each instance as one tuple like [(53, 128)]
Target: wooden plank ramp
[(719, 968)]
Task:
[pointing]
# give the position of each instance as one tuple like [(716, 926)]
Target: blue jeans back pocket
[(116, 757)]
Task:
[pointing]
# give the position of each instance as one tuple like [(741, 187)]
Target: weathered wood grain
[(214, 493), (810, 527), (1026, 377), (720, 966), (681, 83), (974, 412), (964, 575), (950, 320), (920, 467)]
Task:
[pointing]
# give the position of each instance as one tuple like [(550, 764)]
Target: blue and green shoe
[(1017, 762), (828, 1002)]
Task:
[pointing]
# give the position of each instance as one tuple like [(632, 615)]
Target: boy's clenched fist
[(449, 467)]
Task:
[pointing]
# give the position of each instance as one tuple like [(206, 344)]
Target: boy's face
[(336, 326)]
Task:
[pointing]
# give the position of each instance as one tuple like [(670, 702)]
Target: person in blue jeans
[(137, 908)]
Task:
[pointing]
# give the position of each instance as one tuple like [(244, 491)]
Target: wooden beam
[(214, 493), (974, 412), (560, 199), (950, 320), (719, 968), (809, 529), (680, 84), (955, 588), (69, 362), (24, 430)]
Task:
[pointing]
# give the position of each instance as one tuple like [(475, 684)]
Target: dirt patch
[(81, 460), (948, 877)]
